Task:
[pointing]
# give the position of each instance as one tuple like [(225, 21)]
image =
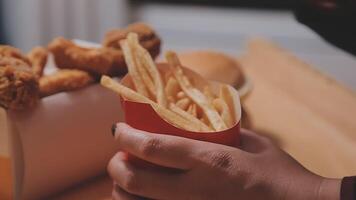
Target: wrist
[(314, 187), (329, 189)]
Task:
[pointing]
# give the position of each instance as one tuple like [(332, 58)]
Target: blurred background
[(183, 25)]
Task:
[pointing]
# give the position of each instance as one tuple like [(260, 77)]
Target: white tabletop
[(225, 29)]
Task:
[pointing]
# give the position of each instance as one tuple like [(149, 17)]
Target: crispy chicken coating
[(9, 51), (38, 58), (18, 84), (94, 60), (64, 80), (147, 37)]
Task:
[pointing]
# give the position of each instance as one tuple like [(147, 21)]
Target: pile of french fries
[(172, 95)]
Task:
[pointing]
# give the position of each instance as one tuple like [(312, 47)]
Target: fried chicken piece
[(109, 59), (38, 58), (64, 80), (147, 37), (9, 51), (94, 60), (13, 62), (18, 84)]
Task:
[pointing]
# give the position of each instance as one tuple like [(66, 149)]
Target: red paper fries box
[(142, 116)]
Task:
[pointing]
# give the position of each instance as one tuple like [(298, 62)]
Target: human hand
[(202, 170)]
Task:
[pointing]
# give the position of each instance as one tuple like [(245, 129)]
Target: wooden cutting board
[(307, 114)]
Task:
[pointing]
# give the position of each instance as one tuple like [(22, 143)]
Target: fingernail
[(113, 129)]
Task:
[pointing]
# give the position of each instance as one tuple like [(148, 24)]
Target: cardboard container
[(64, 140), (142, 116)]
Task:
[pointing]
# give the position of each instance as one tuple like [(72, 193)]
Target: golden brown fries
[(172, 88), (209, 95), (224, 111), (205, 120), (183, 103), (145, 61), (64, 80), (132, 39), (192, 109), (38, 58), (181, 95), (197, 96), (168, 115), (132, 68), (189, 117), (174, 98), (227, 95)]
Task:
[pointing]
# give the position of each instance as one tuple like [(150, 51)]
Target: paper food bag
[(65, 139)]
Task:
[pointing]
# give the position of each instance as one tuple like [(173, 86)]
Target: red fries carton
[(142, 116)]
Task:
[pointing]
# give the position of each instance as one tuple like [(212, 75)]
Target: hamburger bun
[(214, 66)]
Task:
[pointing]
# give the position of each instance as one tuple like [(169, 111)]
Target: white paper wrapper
[(65, 139)]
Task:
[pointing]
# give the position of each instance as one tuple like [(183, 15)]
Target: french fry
[(172, 87), (199, 112), (189, 110), (224, 111), (171, 99), (226, 94), (173, 95), (192, 109), (183, 103), (190, 117), (147, 62), (193, 93), (170, 116), (205, 120), (168, 75), (181, 95), (146, 78), (209, 95), (123, 90), (132, 68)]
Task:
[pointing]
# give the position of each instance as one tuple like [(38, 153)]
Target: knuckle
[(114, 194), (221, 159), (112, 165), (151, 146), (131, 183)]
